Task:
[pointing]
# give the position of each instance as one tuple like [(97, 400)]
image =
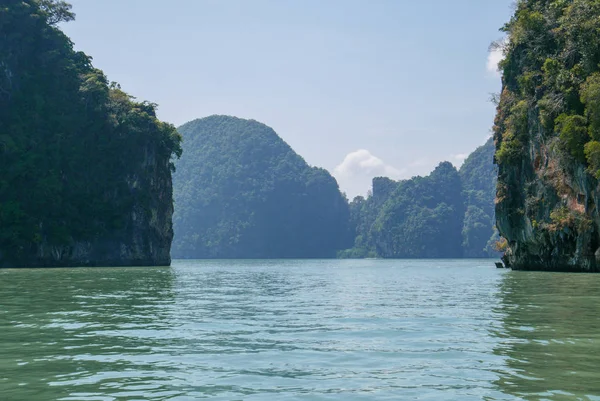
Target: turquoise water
[(299, 330)]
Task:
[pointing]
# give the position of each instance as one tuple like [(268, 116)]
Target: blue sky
[(361, 88)]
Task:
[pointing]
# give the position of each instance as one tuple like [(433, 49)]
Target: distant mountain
[(241, 192), (448, 214), (479, 176), (417, 218)]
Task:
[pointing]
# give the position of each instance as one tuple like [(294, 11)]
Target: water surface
[(299, 330)]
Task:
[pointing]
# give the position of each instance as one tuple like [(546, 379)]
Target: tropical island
[(88, 177), (242, 192), (547, 134), (403, 302), (86, 169)]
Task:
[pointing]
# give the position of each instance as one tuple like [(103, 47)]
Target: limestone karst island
[(276, 200)]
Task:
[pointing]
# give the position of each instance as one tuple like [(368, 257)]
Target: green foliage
[(70, 144), (476, 230), (417, 218), (517, 122), (242, 192), (592, 154), (356, 253), (510, 151), (446, 214), (56, 11), (563, 218), (423, 217), (573, 135), (363, 214), (479, 176), (515, 135), (590, 96), (478, 173), (551, 65)]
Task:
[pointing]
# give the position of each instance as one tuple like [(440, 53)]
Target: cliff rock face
[(145, 232), (546, 208), (85, 171), (547, 137)]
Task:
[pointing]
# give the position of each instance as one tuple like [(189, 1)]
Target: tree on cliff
[(547, 133), (71, 146), (242, 192)]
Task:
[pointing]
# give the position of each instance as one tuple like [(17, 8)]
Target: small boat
[(499, 265)]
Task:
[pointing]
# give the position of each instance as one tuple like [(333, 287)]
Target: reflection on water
[(298, 330), (550, 335)]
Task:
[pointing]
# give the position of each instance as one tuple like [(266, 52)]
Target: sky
[(362, 88)]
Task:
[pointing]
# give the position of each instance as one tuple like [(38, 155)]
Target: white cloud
[(355, 173), (495, 55), (459, 158)]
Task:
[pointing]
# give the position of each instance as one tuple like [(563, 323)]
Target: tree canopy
[(551, 63), (547, 134), (448, 214), (479, 176), (242, 192), (71, 144)]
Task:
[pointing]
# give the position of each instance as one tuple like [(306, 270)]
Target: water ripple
[(299, 330)]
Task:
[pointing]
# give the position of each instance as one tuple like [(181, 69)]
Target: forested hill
[(242, 192), (85, 174), (479, 176), (416, 218), (448, 214)]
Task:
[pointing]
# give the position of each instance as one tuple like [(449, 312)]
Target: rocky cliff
[(547, 134), (85, 171), (144, 233)]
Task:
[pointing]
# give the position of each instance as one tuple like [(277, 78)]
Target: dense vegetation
[(78, 156), (479, 176), (547, 133), (86, 175), (552, 64), (422, 217), (444, 215), (242, 192)]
